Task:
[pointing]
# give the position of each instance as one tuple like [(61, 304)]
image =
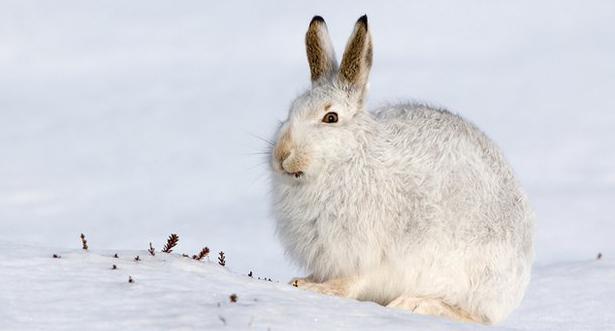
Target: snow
[(81, 290), (130, 121)]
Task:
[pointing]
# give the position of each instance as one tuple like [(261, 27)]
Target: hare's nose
[(289, 165), (283, 157)]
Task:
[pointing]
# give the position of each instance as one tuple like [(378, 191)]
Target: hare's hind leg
[(338, 287), (434, 307)]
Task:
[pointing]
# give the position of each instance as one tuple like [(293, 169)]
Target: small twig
[(137, 258), (250, 274), (221, 259), (269, 279), (151, 250), (203, 253), (171, 242), (84, 243), (56, 256)]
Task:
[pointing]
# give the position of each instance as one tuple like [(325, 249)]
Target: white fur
[(408, 200)]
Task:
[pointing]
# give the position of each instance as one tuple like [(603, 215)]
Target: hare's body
[(428, 208), (417, 208)]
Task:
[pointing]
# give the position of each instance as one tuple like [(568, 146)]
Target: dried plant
[(185, 255), (115, 256), (137, 258), (202, 254), (114, 267), (233, 297), (599, 256), (171, 242), (267, 279), (56, 256), (151, 250), (130, 280), (221, 259), (84, 243)]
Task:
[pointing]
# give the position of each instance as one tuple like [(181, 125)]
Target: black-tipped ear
[(357, 59), (320, 53), (363, 20)]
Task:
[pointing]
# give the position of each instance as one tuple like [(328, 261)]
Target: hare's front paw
[(338, 287), (300, 281)]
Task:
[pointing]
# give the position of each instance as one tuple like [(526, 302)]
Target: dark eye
[(330, 117)]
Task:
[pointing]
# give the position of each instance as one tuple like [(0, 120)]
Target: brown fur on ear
[(357, 59), (320, 54)]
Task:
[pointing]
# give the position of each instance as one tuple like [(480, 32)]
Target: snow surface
[(132, 120), (80, 290)]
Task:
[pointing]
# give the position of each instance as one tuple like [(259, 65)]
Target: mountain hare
[(408, 206)]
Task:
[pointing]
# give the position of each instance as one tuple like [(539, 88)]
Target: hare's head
[(324, 124)]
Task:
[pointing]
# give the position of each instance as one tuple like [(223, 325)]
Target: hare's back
[(459, 167), (419, 127), (422, 119)]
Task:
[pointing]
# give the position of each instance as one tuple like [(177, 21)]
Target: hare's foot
[(338, 287), (434, 307), (300, 281)]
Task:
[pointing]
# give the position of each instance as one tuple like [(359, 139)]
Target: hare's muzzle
[(293, 164), (290, 159)]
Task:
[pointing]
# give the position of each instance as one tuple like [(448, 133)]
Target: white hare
[(408, 206)]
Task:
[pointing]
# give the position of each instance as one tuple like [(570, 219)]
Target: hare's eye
[(330, 117)]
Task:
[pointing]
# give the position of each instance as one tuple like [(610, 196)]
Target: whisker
[(263, 176), (262, 139), (258, 153), (258, 165)]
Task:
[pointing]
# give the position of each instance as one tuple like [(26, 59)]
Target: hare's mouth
[(297, 174)]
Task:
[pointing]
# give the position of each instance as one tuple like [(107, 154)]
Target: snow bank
[(81, 290)]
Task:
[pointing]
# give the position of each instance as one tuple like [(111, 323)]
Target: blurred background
[(128, 121)]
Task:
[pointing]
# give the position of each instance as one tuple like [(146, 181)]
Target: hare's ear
[(357, 59), (320, 53)]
